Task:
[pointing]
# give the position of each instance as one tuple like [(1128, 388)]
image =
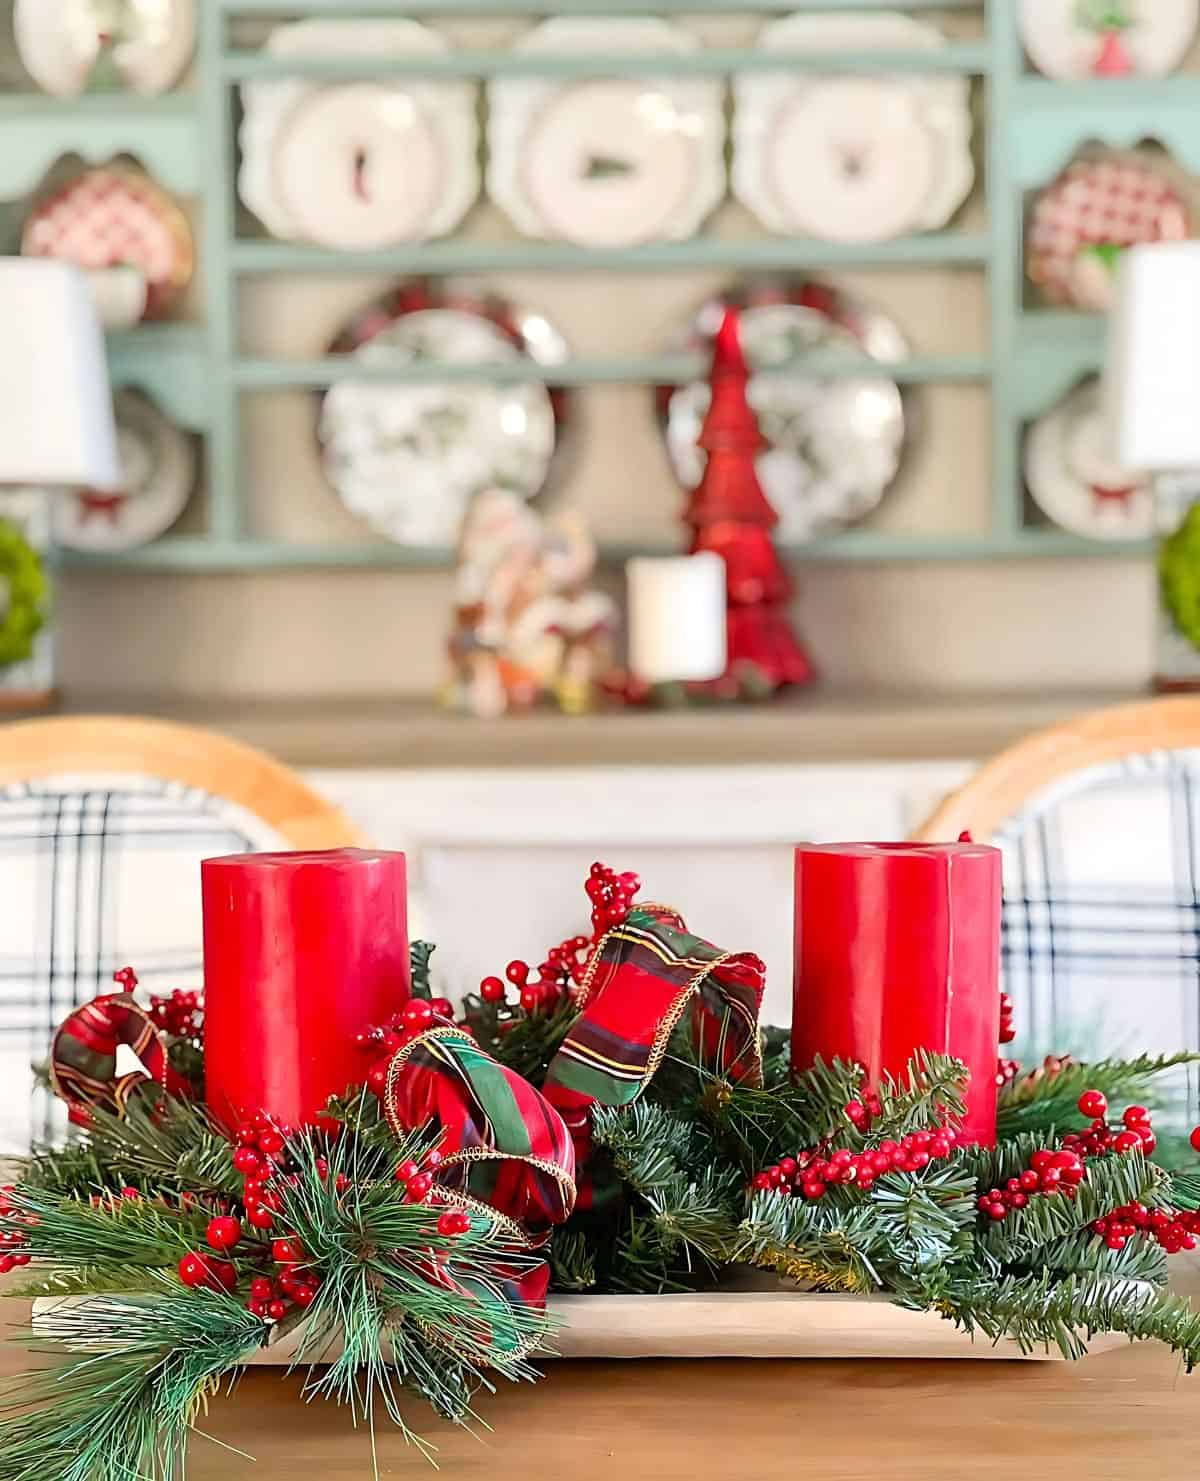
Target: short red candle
[(302, 951), (897, 948)]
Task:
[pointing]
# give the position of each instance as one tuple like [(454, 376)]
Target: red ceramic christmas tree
[(730, 514)]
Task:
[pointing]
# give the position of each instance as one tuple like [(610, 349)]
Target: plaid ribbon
[(643, 977), (83, 1055), (505, 1152)]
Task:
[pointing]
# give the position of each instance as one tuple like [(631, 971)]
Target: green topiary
[(25, 594)]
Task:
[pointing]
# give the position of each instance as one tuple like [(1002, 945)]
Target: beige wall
[(935, 626)]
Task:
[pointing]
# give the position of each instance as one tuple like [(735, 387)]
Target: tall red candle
[(302, 951), (897, 948)]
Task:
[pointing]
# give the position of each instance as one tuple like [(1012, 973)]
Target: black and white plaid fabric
[(1102, 915), (96, 873)]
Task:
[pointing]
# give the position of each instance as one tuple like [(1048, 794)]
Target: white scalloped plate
[(358, 165), (1062, 45), (606, 162), (845, 158), (59, 42)]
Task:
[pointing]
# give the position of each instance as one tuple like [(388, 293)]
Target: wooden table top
[(1120, 1415)]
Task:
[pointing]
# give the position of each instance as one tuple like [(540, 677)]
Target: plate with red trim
[(158, 473), (1073, 475)]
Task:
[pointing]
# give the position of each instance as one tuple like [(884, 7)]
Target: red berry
[(787, 1166), (855, 1111), (407, 1169), (813, 1188), (1092, 1104), (531, 999), (1127, 1141), (261, 1289), (1029, 1180), (277, 1310), (245, 1159), (1195, 1139), (223, 1275), (434, 1159), (377, 1078), (270, 1142), (246, 1135), (418, 1015), (287, 1251), (1136, 1117), (492, 990), (193, 1270), (442, 1008), (291, 1280), (451, 1222), (517, 973), (997, 1212), (304, 1297), (1149, 1140), (223, 1232), (419, 1186)]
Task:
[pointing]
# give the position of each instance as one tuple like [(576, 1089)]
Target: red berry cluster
[(180, 1014), (612, 896), (1100, 1138), (259, 1156), (418, 1015), (1008, 1030), (293, 1286), (1006, 1071), (12, 1240), (1048, 1172), (417, 1177), (1173, 1229), (860, 1113), (812, 1173)]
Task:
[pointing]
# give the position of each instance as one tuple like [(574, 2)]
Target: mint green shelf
[(769, 255), (198, 373)]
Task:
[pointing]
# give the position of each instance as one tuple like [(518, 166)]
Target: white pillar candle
[(676, 617)]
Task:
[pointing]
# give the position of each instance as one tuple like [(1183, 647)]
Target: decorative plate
[(158, 473), (1073, 475), (851, 159), (834, 445), (1073, 39), (606, 162), (359, 165), (408, 458), (116, 222), (1080, 224), (67, 45)]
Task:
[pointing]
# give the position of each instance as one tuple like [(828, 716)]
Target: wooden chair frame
[(999, 790), (35, 749)]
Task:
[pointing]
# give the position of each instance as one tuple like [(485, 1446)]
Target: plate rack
[(1032, 127)]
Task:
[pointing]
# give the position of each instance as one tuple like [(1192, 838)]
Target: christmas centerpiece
[(321, 1156)]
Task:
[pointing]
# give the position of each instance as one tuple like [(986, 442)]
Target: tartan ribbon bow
[(643, 977), (83, 1054), (504, 1148)]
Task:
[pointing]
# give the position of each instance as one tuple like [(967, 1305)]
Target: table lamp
[(56, 432)]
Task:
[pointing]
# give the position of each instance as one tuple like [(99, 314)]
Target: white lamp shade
[(56, 411), (1153, 371), (676, 617)]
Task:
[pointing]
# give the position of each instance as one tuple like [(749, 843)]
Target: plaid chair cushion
[(1102, 915), (96, 873)]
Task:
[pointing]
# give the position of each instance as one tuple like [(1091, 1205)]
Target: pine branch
[(1183, 1190), (1046, 1102), (572, 1262), (123, 1408), (927, 1096), (1066, 1313), (419, 955), (754, 1124)]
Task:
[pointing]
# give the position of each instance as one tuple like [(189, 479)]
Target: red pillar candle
[(302, 951), (897, 948)]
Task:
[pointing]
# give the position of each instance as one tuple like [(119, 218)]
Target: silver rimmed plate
[(834, 443), (408, 457)]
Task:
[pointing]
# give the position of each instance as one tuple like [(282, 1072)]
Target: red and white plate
[(1075, 39), (1073, 475), (158, 474), (408, 457), (1083, 221), (116, 222)]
